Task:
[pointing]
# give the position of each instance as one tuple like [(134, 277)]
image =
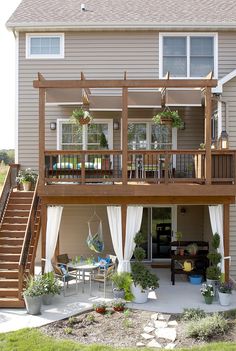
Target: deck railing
[(152, 166)]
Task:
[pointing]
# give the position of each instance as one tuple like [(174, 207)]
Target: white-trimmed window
[(44, 46), (188, 55)]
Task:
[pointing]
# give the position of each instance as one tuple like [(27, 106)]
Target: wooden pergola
[(125, 84)]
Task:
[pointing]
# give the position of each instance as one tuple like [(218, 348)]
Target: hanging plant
[(168, 117), (81, 116)]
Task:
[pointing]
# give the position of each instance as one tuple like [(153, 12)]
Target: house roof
[(133, 14)]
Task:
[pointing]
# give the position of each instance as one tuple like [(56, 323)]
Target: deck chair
[(101, 276), (64, 260), (65, 276)]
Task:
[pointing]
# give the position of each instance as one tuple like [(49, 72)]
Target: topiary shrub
[(206, 328)]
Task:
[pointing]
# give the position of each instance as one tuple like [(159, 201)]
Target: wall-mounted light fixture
[(53, 126), (183, 210), (116, 125), (224, 140)]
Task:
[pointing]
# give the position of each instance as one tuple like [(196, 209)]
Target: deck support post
[(43, 234), (226, 211), (42, 94), (123, 225), (208, 112), (124, 134)]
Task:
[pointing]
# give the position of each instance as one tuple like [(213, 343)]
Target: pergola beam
[(126, 83)]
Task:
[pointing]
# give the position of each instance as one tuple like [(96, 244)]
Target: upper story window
[(188, 56), (44, 46)]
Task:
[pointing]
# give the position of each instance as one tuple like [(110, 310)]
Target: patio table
[(82, 268)]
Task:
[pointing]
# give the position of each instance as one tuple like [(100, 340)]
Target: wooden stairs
[(14, 237)]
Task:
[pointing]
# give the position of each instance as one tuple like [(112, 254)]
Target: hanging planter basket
[(81, 116), (169, 118)]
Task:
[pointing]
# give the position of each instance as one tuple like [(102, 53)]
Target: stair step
[(11, 274), (20, 200), (12, 234), (15, 220), (13, 227), (17, 213), (8, 265), (16, 206), (6, 292), (22, 193), (11, 302), (11, 257), (11, 241), (8, 283), (10, 249)]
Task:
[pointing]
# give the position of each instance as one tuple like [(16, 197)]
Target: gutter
[(53, 26)]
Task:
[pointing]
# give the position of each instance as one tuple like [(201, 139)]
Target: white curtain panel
[(133, 224), (114, 219), (54, 214), (216, 218)]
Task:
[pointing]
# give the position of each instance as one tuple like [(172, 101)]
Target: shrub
[(193, 314), (207, 327)]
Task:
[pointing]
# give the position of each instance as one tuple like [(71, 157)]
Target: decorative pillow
[(97, 163), (63, 165), (63, 269), (104, 262)]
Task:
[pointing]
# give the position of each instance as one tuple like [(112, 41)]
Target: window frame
[(109, 122), (188, 35), (28, 54)]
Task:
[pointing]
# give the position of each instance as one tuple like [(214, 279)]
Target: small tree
[(213, 271)]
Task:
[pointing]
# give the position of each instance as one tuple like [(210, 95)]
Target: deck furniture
[(65, 276), (102, 275)]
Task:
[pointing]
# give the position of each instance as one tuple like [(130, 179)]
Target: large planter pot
[(33, 304), (47, 299), (215, 284), (27, 186), (140, 295), (208, 299), (225, 299), (119, 294)]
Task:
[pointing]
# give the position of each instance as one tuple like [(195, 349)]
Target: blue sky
[(7, 74)]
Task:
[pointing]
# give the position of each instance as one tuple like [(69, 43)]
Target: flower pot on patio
[(140, 295), (208, 299), (225, 299), (118, 293), (27, 186), (47, 299), (33, 304), (215, 284)]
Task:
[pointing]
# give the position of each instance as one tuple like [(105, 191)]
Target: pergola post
[(226, 210), (124, 134), (208, 112), (43, 234), (42, 97)]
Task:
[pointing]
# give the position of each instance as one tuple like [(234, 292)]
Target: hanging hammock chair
[(95, 241)]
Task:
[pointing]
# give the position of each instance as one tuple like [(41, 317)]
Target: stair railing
[(9, 184), (29, 233)]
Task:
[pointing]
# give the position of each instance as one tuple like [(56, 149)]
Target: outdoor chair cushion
[(88, 165), (63, 165)]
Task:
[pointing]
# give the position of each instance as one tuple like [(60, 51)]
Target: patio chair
[(101, 276), (63, 259), (65, 276)]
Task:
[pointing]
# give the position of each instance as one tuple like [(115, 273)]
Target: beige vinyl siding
[(227, 53), (191, 223), (229, 95)]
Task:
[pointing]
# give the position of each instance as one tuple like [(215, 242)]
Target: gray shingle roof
[(126, 13)]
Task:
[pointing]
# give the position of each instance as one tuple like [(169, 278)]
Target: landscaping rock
[(160, 324), (173, 323), (148, 329), (140, 344), (147, 336), (154, 343), (155, 316), (170, 346), (166, 333), (164, 317)]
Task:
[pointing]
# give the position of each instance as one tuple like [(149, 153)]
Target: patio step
[(11, 302), (8, 283), (8, 292)]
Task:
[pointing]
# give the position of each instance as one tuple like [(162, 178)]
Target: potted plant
[(213, 272), (208, 293), (118, 305), (143, 279), (122, 282), (192, 249), (27, 177), (100, 307), (168, 117), (225, 293), (51, 286), (81, 116), (33, 294)]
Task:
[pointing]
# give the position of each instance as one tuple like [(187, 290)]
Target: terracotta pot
[(100, 310), (118, 308), (181, 252)]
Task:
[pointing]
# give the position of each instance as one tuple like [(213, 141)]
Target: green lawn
[(34, 340)]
